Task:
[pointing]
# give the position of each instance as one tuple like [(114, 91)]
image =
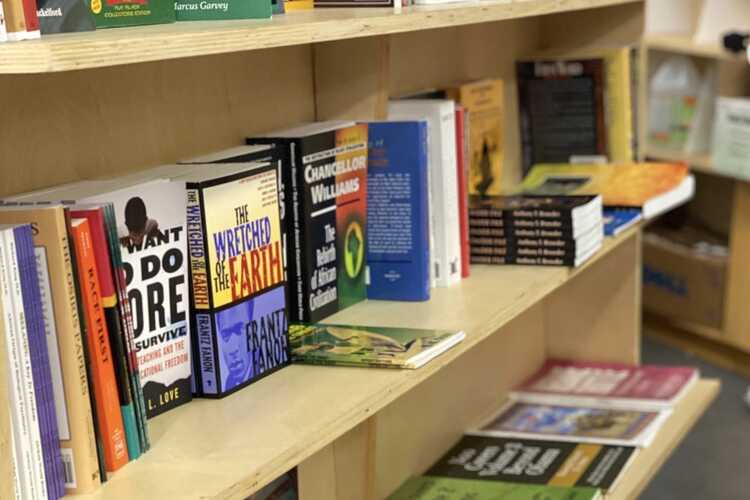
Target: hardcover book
[(398, 226), (236, 263), (614, 384), (117, 13), (381, 347), (201, 10), (64, 16), (325, 198), (652, 187), (448, 488), (539, 462), (100, 354), (483, 100), (444, 218), (72, 401), (561, 106), (579, 424)]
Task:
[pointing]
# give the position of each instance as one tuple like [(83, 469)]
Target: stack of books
[(569, 432), (535, 230)]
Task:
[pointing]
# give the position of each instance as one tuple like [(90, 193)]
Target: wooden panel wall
[(68, 126)]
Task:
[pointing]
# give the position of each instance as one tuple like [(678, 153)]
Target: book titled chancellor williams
[(237, 270), (324, 181), (379, 347)]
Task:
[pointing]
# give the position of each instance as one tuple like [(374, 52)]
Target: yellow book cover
[(624, 185), (7, 468), (292, 5), (483, 99)]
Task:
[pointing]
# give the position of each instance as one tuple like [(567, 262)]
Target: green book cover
[(203, 10), (347, 345), (117, 13), (443, 488)]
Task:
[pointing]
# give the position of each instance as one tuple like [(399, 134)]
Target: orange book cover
[(625, 185), (100, 354)]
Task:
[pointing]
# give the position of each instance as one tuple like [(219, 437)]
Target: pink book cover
[(586, 380)]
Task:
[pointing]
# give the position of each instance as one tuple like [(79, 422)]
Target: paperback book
[(118, 13), (324, 182), (611, 384), (448, 488), (654, 188), (617, 220), (579, 424), (237, 274), (398, 225), (539, 462), (201, 10), (380, 347), (64, 16)]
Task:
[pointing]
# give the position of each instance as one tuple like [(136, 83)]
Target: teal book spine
[(131, 431), (203, 10)]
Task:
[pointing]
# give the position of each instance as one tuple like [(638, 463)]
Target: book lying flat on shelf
[(617, 220), (654, 188), (349, 345), (578, 424), (613, 384), (538, 462), (447, 488)]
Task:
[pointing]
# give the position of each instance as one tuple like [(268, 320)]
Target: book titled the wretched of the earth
[(382, 347)]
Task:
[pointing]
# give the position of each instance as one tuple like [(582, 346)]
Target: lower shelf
[(648, 461)]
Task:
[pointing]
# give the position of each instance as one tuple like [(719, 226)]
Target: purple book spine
[(32, 302)]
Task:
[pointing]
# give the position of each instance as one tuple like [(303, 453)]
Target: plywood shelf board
[(189, 39), (680, 44), (229, 448), (649, 460)]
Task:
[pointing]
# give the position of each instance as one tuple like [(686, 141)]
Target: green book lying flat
[(443, 488), (349, 345)]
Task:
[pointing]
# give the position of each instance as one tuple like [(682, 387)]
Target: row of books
[(569, 432)]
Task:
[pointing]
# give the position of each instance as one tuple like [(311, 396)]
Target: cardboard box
[(684, 276)]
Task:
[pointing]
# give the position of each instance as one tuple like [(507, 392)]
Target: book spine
[(15, 20), (14, 405), (200, 296), (298, 306), (463, 196), (36, 472), (126, 320), (32, 301), (105, 383), (445, 190), (32, 20), (3, 24), (207, 353)]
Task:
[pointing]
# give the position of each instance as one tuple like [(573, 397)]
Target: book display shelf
[(724, 197), (79, 106)]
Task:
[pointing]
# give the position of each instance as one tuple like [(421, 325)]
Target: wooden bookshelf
[(680, 44), (189, 39)]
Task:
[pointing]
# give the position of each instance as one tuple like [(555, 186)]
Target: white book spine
[(3, 29), (27, 378), (14, 463), (445, 187), (17, 403)]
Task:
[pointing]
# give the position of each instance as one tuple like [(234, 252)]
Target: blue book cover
[(42, 377), (617, 220), (398, 229)]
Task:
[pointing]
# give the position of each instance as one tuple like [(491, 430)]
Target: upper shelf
[(229, 448), (679, 44), (114, 47)]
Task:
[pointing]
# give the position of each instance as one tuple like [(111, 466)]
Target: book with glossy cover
[(448, 488), (585, 382), (117, 13), (64, 16), (398, 225), (236, 263), (567, 422), (617, 220), (201, 10), (72, 401), (350, 345), (540, 462), (325, 198), (128, 385), (651, 187), (101, 359)]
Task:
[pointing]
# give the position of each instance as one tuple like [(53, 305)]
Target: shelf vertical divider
[(736, 311)]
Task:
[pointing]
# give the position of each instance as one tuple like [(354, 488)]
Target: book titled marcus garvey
[(237, 270)]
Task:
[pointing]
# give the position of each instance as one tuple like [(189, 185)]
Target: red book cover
[(97, 339), (463, 195), (32, 21), (580, 382)]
